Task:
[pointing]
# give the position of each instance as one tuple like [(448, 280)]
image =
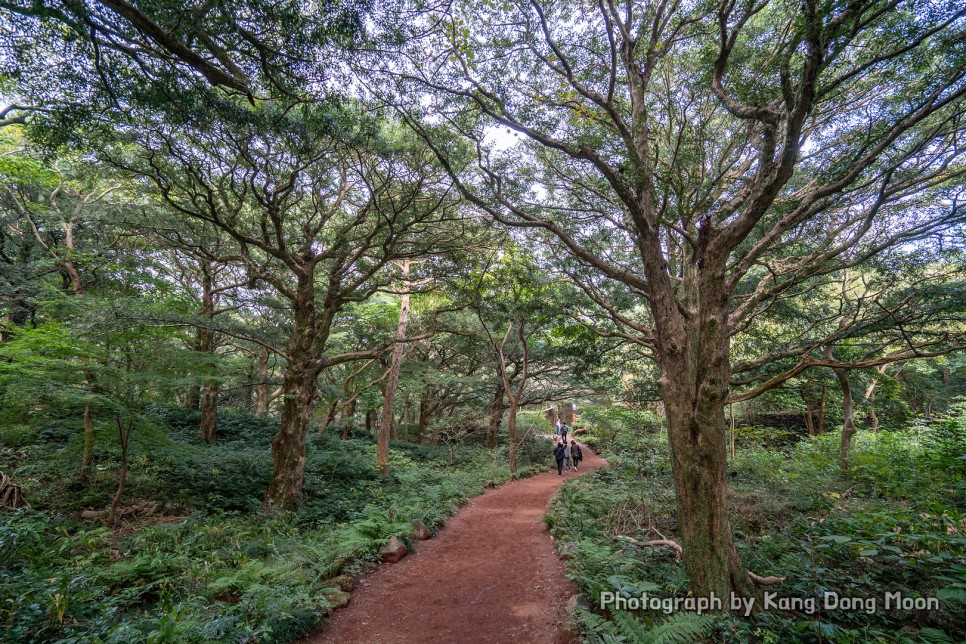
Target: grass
[(895, 523), (209, 564)]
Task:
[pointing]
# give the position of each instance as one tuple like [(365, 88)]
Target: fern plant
[(680, 628)]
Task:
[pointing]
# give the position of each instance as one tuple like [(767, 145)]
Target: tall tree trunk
[(192, 399), (85, 468), (299, 387), (552, 416), (392, 382), (511, 426), (124, 433), (848, 424), (809, 413), (402, 427), (350, 415), (261, 389), (870, 397), (206, 345), (349, 419), (699, 464), (693, 354), (427, 407), (73, 277), (567, 414), (731, 412), (821, 412), (209, 411), (497, 409), (288, 445), (514, 396), (248, 397)]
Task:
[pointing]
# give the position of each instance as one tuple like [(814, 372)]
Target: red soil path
[(490, 575)]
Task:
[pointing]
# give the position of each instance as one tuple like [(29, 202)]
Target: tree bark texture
[(497, 409), (511, 426), (206, 344), (261, 389), (695, 374), (85, 468), (299, 388), (848, 416), (392, 382)]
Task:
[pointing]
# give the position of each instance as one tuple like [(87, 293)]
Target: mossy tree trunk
[(299, 389), (208, 403), (392, 382), (85, 468), (694, 347)]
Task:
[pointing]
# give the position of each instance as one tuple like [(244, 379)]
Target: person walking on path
[(559, 456), (575, 454), (567, 454), (563, 432)]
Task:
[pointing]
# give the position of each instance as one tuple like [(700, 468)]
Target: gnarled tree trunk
[(497, 409), (848, 413), (392, 383), (206, 344), (514, 396), (299, 388), (695, 375), (288, 445)]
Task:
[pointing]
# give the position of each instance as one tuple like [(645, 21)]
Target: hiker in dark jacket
[(559, 456), (575, 453)]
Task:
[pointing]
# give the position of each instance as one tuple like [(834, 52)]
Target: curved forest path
[(490, 575)]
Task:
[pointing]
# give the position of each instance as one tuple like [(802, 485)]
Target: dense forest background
[(279, 283)]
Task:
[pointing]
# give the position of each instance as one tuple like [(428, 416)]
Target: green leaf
[(837, 538)]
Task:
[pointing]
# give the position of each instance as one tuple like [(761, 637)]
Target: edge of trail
[(491, 574)]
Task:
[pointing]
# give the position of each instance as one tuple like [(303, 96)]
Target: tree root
[(679, 551), (673, 545), (11, 495), (764, 581)]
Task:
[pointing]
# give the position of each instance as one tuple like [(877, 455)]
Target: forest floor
[(490, 575)]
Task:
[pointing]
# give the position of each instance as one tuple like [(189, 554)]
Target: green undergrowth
[(209, 563), (895, 523)]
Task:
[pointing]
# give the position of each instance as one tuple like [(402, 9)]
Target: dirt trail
[(490, 575)]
